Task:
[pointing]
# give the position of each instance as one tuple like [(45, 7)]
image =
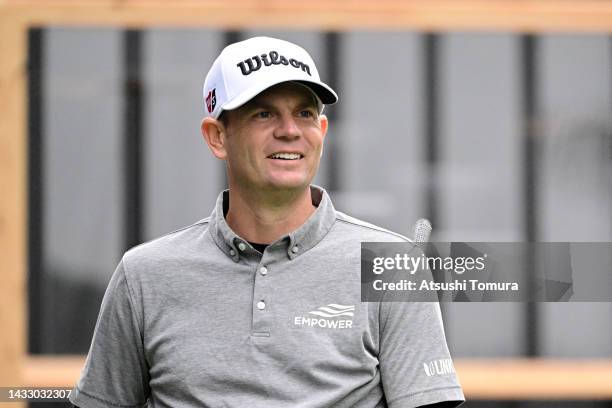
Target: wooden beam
[(13, 204), (49, 371), (482, 379), (507, 379), (438, 15), (543, 379)]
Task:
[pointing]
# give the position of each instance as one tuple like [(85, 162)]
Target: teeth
[(286, 156)]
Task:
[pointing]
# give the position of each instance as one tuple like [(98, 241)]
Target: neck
[(264, 218)]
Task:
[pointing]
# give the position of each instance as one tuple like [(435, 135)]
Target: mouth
[(286, 156)]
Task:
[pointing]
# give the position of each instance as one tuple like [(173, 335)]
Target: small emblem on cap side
[(211, 101)]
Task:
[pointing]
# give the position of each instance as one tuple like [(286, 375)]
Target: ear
[(324, 126), (214, 134)]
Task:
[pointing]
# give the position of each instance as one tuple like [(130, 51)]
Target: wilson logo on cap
[(211, 101), (272, 58)]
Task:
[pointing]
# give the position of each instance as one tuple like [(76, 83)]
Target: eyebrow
[(262, 104)]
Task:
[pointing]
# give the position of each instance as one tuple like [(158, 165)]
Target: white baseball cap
[(247, 68)]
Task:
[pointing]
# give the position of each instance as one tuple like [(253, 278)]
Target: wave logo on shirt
[(439, 367), (331, 316)]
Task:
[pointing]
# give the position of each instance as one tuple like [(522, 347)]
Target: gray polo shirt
[(200, 318)]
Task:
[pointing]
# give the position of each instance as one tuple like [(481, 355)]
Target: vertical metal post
[(229, 37), (332, 77), (133, 133), (430, 58), (36, 37), (530, 183)]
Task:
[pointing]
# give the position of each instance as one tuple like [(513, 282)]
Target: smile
[(286, 156)]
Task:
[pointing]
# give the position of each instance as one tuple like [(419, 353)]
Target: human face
[(274, 142)]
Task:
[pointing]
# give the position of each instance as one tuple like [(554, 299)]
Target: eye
[(263, 114), (307, 113)]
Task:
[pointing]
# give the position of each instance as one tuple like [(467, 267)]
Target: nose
[(287, 128)]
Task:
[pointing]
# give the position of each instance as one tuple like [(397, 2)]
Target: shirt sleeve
[(115, 371), (415, 363)]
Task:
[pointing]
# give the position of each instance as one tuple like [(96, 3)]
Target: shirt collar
[(294, 244)]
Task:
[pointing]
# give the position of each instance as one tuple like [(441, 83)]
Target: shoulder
[(366, 231), (173, 245)]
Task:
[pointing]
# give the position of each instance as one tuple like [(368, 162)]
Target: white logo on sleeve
[(439, 367), (332, 316)]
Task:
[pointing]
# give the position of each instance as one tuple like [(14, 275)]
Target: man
[(259, 304)]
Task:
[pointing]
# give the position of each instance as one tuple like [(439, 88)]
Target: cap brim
[(323, 91)]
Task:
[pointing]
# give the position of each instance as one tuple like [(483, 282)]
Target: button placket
[(262, 299)]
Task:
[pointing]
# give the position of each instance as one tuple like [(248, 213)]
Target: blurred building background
[(492, 136)]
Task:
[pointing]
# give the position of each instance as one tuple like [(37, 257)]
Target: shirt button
[(242, 246), (263, 270), (295, 249), (261, 305), (232, 252)]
